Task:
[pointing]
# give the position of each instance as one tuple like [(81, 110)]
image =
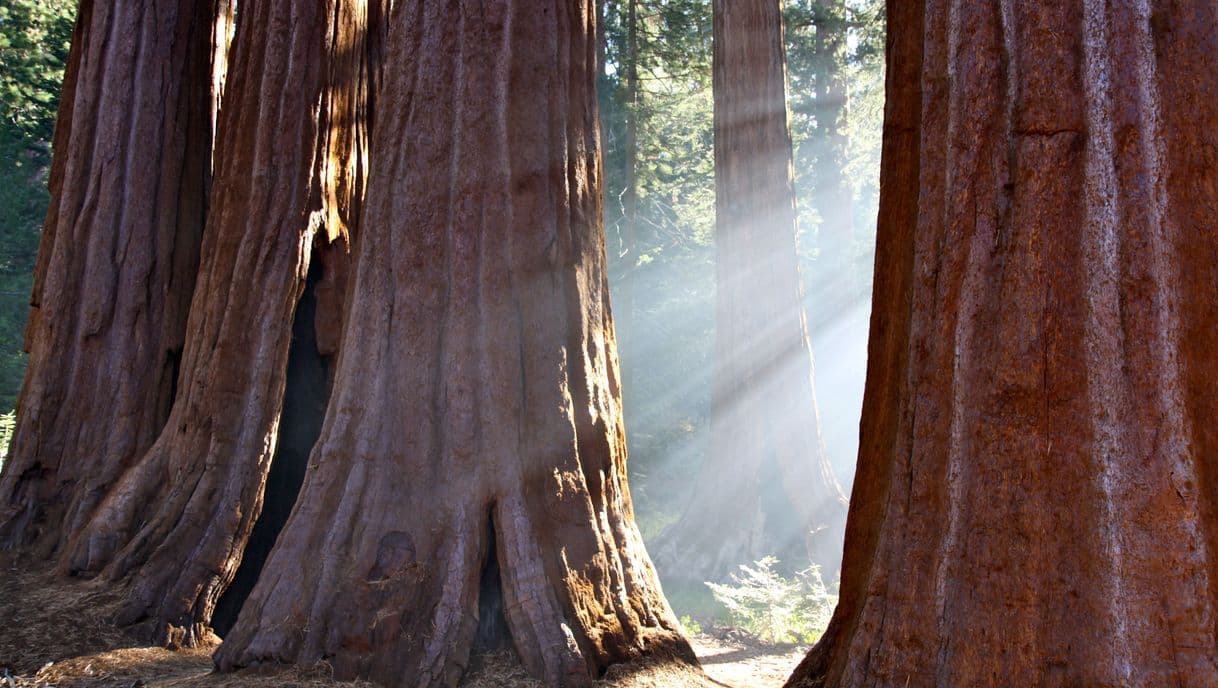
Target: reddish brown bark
[(767, 487), (290, 164), (476, 399), (117, 261), (1035, 501)]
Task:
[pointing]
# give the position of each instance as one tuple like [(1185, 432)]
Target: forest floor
[(55, 633)]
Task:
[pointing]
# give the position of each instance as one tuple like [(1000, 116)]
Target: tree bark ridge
[(1033, 500), (483, 220), (290, 166), (116, 265)]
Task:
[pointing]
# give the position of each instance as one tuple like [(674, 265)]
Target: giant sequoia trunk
[(475, 424), (117, 261), (767, 487), (290, 167), (1036, 497)]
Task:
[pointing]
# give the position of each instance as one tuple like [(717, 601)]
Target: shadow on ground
[(56, 632)]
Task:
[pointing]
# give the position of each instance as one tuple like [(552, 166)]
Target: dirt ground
[(55, 633)]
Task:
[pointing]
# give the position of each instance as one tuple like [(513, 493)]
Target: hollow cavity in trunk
[(306, 393)]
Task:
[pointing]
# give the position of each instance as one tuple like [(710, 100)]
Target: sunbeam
[(665, 285)]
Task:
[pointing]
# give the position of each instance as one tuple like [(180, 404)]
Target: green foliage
[(665, 252), (865, 121), (774, 608), (841, 42), (690, 626), (673, 116), (34, 40), (23, 203)]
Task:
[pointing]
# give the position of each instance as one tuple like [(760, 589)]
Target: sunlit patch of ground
[(740, 663), (55, 632)]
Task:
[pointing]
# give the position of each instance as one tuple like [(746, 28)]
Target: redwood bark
[(1036, 495), (767, 487), (116, 264), (476, 399), (290, 167)]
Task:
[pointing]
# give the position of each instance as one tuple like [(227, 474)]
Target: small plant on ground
[(774, 608), (690, 626)]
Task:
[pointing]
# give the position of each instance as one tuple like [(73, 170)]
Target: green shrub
[(774, 608), (690, 626)]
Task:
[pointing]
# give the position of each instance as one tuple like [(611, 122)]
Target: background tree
[(629, 228), (818, 43), (666, 357), (116, 263), (835, 69), (289, 175), (1035, 491), (670, 270), (767, 486), (482, 456), (667, 262), (34, 38)]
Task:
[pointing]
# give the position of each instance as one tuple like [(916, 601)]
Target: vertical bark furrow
[(1053, 462), (116, 264), (1104, 340), (279, 181), (1154, 300), (1185, 45), (482, 221)]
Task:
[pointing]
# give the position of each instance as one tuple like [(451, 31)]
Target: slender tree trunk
[(832, 196), (767, 487), (117, 261), (290, 165), (605, 10), (627, 306), (1035, 501), (475, 424)]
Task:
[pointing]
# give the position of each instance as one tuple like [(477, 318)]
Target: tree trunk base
[(566, 621)]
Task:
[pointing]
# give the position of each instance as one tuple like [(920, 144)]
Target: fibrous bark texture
[(116, 264), (290, 166), (1035, 500), (477, 390), (767, 487)]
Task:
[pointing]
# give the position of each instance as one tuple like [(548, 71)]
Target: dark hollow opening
[(493, 634), (305, 395), (169, 386)]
